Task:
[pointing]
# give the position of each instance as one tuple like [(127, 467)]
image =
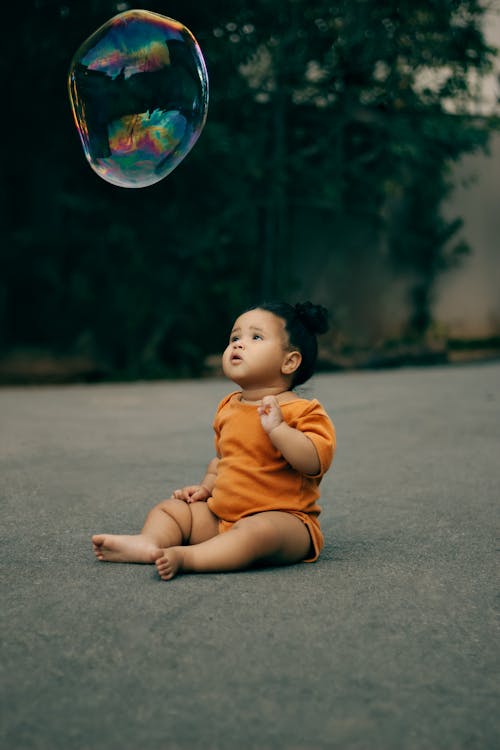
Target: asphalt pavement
[(388, 642)]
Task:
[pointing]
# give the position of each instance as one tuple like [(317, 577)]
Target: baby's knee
[(180, 512), (171, 503)]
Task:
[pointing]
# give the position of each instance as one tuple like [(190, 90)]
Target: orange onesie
[(253, 476)]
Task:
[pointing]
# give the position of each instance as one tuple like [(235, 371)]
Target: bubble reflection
[(138, 88)]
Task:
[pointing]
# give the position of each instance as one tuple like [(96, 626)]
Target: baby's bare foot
[(123, 548), (169, 564)]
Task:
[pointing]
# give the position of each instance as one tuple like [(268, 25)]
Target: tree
[(328, 117), (369, 105)]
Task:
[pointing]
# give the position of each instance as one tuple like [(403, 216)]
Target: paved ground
[(387, 643)]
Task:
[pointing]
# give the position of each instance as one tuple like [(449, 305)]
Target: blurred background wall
[(468, 298)]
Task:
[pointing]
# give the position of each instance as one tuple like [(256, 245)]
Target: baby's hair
[(303, 322)]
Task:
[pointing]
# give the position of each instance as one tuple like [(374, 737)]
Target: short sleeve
[(317, 425)]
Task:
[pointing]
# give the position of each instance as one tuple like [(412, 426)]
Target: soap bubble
[(138, 89)]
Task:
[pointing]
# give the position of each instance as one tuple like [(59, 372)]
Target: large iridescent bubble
[(138, 89)]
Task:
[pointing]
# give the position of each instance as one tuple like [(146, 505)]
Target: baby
[(257, 503)]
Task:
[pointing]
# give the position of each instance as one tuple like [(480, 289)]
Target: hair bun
[(313, 317)]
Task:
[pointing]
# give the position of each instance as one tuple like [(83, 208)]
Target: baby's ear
[(291, 362)]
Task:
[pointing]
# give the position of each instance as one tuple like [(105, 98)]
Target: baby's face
[(256, 351)]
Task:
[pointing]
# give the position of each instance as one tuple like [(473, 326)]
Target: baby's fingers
[(200, 494), (183, 494), (191, 494)]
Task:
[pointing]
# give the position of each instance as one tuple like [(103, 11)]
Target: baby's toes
[(165, 571), (161, 564)]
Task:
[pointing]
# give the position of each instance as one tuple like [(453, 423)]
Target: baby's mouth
[(236, 358)]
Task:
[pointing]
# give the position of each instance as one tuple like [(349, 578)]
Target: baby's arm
[(293, 445), (196, 492)]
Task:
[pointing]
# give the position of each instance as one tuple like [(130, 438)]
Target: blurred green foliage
[(352, 110)]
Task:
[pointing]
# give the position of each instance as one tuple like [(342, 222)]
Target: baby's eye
[(234, 338), (257, 337)]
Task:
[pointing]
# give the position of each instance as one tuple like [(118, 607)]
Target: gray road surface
[(387, 643)]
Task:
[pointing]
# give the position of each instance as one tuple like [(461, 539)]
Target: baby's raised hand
[(192, 494), (270, 413)]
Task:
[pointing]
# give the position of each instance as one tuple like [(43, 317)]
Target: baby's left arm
[(294, 446)]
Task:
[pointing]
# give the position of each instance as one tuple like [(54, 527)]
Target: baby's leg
[(273, 537), (171, 522)]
